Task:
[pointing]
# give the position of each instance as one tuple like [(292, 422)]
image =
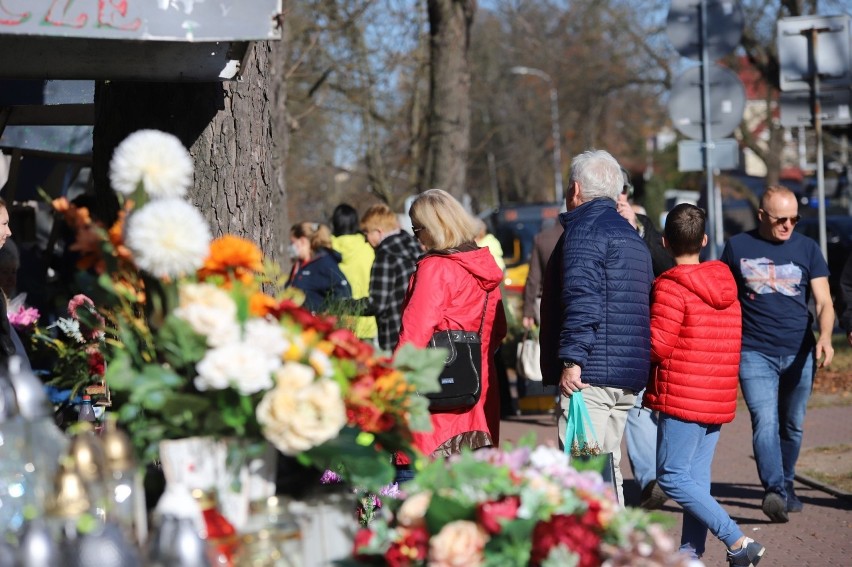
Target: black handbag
[(461, 379)]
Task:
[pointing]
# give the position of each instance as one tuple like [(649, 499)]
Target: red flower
[(97, 365), (411, 548), (362, 538), (303, 317), (369, 418), (592, 519), (347, 345), (571, 531), (489, 514)]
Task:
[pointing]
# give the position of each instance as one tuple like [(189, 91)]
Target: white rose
[(210, 311), (321, 363), (297, 414), (268, 336), (239, 365), (412, 513)]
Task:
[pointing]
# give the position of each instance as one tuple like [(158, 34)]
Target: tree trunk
[(228, 129), (449, 103)]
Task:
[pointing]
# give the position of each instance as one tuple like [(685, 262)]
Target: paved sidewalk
[(821, 535)]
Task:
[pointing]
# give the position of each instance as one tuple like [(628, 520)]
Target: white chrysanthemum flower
[(210, 311), (71, 328), (168, 237), (266, 335), (300, 413), (241, 366), (156, 159)]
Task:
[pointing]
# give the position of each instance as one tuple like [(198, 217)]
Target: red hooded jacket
[(448, 292), (696, 335)]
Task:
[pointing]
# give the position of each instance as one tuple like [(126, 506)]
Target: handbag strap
[(484, 310)]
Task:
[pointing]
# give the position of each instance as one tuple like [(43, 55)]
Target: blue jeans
[(684, 455), (776, 390), (641, 433)]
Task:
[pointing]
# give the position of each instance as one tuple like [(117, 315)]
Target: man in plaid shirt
[(396, 259)]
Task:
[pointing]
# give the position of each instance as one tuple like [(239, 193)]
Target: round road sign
[(724, 27), (727, 102)]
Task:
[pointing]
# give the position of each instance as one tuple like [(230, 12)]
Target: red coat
[(696, 335), (448, 292)]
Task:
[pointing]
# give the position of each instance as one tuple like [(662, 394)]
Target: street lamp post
[(554, 124)]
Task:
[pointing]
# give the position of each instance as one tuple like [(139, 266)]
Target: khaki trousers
[(608, 409)]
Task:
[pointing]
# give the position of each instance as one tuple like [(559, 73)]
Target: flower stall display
[(72, 347), (202, 342), (521, 506)]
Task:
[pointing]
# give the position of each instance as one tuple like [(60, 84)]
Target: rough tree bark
[(228, 129), (449, 103)]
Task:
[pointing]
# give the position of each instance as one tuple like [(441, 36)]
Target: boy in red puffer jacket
[(696, 332)]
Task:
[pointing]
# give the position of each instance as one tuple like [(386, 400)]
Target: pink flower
[(24, 317), (92, 316), (79, 301)]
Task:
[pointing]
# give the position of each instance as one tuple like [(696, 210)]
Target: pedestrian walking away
[(595, 326), (695, 353), (456, 285), (641, 429)]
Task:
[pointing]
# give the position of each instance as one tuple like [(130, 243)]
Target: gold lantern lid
[(87, 452), (118, 449), (69, 498)]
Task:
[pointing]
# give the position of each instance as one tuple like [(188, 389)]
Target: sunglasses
[(417, 229), (783, 220), (627, 190)]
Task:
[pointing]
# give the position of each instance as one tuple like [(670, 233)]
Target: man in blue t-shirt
[(777, 271)]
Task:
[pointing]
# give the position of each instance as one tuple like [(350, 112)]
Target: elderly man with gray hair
[(595, 315)]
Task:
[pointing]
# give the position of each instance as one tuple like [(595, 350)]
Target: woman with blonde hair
[(455, 286), (315, 268)]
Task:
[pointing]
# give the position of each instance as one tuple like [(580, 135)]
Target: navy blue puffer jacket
[(595, 302)]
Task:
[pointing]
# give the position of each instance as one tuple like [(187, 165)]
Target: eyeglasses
[(783, 220)]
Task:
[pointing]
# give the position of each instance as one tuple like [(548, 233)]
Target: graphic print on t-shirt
[(761, 275)]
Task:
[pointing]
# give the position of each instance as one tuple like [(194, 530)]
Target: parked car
[(838, 230)]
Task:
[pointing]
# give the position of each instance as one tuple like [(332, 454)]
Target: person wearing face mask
[(315, 268)]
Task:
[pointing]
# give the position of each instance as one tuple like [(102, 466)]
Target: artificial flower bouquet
[(521, 506), (69, 350), (202, 341)]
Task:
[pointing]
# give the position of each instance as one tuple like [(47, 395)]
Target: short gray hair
[(598, 173)]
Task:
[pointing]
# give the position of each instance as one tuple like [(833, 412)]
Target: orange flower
[(261, 305), (232, 257), (76, 217), (88, 244), (116, 237), (393, 385)]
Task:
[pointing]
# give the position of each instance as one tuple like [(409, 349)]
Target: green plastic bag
[(581, 442)]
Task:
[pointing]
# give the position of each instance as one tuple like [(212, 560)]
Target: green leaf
[(443, 510), (421, 366), (119, 373), (361, 465), (419, 417), (181, 346)]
